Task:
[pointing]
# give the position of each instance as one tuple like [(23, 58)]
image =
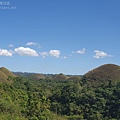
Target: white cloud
[(10, 45), (31, 43), (25, 51), (44, 54), (4, 52), (101, 54), (80, 51), (54, 53)]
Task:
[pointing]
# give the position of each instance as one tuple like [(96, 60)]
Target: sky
[(59, 36)]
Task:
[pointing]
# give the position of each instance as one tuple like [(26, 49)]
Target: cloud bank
[(27, 51)]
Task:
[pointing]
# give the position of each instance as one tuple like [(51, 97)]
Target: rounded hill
[(37, 76), (4, 74), (7, 72), (60, 77), (104, 73)]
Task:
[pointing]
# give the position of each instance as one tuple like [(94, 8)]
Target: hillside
[(36, 76), (104, 73), (74, 77), (60, 77), (3, 77), (7, 72), (4, 74), (61, 97)]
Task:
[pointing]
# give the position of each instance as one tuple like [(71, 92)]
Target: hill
[(103, 73), (3, 77), (7, 72), (4, 74), (37, 76), (60, 77), (74, 77)]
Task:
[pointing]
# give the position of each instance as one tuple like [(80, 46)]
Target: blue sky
[(59, 36)]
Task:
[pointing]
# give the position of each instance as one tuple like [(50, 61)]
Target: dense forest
[(50, 98)]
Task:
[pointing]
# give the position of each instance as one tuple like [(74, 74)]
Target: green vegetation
[(51, 99)]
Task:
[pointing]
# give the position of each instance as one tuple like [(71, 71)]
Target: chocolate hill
[(37, 76), (4, 74), (60, 77), (104, 73)]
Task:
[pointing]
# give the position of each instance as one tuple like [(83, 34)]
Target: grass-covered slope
[(103, 73), (60, 77), (4, 74), (36, 76), (7, 72), (3, 77)]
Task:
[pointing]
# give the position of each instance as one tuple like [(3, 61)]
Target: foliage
[(47, 99)]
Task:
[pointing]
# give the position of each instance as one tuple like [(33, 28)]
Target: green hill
[(103, 73)]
